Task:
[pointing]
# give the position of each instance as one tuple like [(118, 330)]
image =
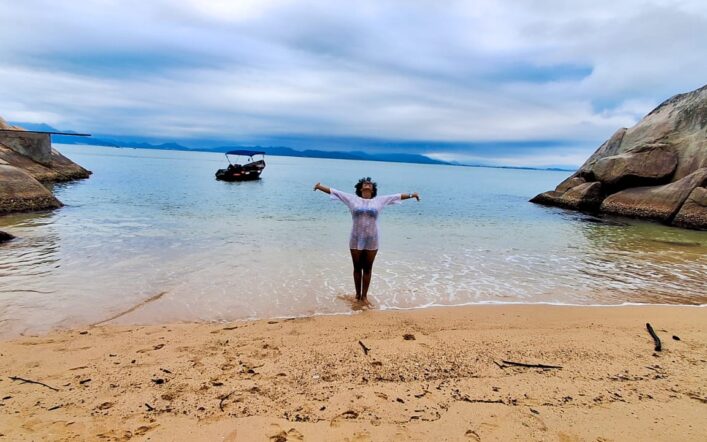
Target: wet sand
[(433, 374)]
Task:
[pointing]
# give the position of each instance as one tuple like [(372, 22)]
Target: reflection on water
[(151, 225)]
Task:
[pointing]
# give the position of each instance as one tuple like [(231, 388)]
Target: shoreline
[(434, 372), (354, 311)]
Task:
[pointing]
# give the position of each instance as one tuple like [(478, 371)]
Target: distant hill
[(269, 150), (141, 143), (310, 153)]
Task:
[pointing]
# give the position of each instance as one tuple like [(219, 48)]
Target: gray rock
[(585, 196), (609, 148), (661, 203), (649, 165), (4, 237), (693, 213), (569, 183), (61, 169), (20, 192), (666, 146), (26, 159), (35, 146)]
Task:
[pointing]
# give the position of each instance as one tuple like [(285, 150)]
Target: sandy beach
[(432, 374)]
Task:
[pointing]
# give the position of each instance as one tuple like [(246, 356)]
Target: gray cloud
[(452, 72)]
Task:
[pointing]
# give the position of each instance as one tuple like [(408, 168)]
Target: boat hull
[(226, 175)]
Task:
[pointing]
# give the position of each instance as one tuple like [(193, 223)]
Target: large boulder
[(44, 163), (25, 160), (693, 213), (61, 168), (649, 165), (572, 181), (637, 167), (655, 202), (584, 196), (679, 124), (609, 148), (20, 192)]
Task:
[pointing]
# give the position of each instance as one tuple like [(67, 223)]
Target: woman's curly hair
[(359, 185)]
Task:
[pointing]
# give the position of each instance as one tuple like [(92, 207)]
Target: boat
[(238, 170)]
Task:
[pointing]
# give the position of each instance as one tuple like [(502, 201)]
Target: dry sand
[(310, 379)]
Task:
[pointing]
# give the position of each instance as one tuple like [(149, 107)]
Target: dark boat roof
[(249, 153)]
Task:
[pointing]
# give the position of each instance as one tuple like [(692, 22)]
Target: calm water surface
[(157, 222)]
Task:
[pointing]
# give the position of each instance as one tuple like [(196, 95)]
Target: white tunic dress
[(364, 212)]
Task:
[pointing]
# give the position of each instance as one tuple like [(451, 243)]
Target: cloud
[(448, 74)]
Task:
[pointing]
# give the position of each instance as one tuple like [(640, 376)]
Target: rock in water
[(25, 161), (693, 213), (585, 196), (20, 192), (661, 203), (4, 237), (652, 170)]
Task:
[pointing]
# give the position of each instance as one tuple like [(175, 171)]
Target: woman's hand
[(416, 196), (321, 187)]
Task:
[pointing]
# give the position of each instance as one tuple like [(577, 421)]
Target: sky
[(520, 83)]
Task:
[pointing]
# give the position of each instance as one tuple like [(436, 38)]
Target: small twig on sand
[(149, 407), (363, 346), (656, 339), (223, 398), (29, 381), (521, 364), (499, 365)]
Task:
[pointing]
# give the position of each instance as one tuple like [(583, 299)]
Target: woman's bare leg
[(357, 271), (367, 258)]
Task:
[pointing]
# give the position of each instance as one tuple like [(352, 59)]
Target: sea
[(152, 237)]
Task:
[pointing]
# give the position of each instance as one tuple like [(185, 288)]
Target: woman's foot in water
[(364, 303)]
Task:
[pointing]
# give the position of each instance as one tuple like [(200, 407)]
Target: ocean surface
[(152, 237)]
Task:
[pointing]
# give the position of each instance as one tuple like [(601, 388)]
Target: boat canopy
[(248, 153)]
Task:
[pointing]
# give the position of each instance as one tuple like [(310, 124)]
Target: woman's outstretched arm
[(322, 187), (406, 196)]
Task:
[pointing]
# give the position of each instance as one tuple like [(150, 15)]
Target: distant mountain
[(142, 143), (270, 150), (310, 153)]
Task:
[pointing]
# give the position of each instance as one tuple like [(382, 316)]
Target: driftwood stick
[(29, 381), (363, 346), (521, 364), (223, 398), (656, 339)]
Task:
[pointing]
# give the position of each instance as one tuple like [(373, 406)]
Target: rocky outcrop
[(61, 169), (584, 196), (651, 165), (650, 170), (693, 213), (25, 161), (661, 203), (20, 192)]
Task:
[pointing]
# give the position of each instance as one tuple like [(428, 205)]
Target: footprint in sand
[(290, 435)]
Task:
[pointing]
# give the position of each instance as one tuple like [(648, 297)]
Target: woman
[(365, 207)]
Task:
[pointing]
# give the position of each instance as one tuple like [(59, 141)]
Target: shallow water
[(149, 222)]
